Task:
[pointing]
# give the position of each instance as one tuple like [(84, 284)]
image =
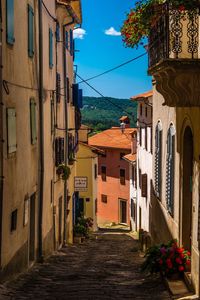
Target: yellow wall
[(86, 160)]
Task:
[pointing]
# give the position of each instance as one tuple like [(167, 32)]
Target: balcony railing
[(175, 35)]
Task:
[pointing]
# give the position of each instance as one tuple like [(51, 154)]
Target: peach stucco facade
[(110, 212)]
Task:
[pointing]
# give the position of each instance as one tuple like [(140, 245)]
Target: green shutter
[(11, 130), (50, 48), (30, 31), (71, 42), (10, 22), (33, 121)]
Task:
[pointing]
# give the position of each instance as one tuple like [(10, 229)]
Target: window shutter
[(62, 150), (50, 48), (71, 42), (30, 31), (104, 198), (80, 98), (146, 146), (57, 152), (10, 22), (58, 87), (57, 32), (95, 171), (103, 173), (158, 160), (11, 130), (144, 185), (170, 170), (69, 145), (33, 121), (75, 94), (67, 40)]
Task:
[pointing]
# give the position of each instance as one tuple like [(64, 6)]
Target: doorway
[(32, 229), (187, 188), (123, 212)]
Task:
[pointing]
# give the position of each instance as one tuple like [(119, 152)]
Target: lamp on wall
[(122, 127)]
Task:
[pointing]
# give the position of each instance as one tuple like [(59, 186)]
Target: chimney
[(125, 120)]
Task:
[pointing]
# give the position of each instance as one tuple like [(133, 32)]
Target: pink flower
[(178, 261), (181, 268)]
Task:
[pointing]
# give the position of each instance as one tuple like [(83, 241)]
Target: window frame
[(30, 31)]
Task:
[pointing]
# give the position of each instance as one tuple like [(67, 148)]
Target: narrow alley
[(107, 266)]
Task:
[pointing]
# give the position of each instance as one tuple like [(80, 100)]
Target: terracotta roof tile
[(112, 138), (130, 157), (141, 96)]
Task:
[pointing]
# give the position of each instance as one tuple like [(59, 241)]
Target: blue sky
[(99, 52)]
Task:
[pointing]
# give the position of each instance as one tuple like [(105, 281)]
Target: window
[(59, 151), (146, 138), (170, 169), (11, 130), (57, 32), (103, 173), (96, 208), (151, 140), (13, 226), (50, 48), (158, 159), (67, 88), (134, 143), (10, 22), (134, 176), (121, 155), (33, 121), (104, 198), (30, 31), (141, 109), (71, 42), (58, 88), (95, 171), (140, 178), (144, 185), (140, 136), (52, 116), (122, 177), (87, 199), (146, 111)]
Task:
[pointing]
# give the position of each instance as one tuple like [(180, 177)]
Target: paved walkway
[(106, 267)]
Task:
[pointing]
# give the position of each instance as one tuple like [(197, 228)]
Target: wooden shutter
[(71, 42), (62, 150), (95, 171), (11, 130), (57, 152), (50, 48), (10, 22), (170, 170), (67, 89), (57, 32), (30, 31), (158, 160), (33, 121), (75, 94), (58, 87), (144, 185)]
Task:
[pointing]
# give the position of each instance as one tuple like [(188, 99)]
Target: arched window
[(170, 169), (158, 158)]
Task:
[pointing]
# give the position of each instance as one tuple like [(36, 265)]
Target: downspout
[(41, 129), (1, 137), (66, 129)]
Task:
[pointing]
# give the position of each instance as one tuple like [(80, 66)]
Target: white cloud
[(112, 31), (79, 33)]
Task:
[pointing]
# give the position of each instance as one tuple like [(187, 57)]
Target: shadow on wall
[(158, 227)]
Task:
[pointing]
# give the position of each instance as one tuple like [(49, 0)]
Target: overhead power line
[(114, 68), (108, 100)]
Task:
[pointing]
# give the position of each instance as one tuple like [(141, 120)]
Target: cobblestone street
[(105, 267)]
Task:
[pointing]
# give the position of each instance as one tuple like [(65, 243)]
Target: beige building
[(39, 107), (174, 63)]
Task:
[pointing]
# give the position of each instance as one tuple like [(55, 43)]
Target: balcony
[(174, 54)]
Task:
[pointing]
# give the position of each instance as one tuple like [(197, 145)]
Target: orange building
[(113, 174)]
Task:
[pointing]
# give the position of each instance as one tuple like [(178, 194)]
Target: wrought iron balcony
[(174, 52)]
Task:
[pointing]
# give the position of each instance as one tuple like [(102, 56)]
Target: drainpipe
[(41, 129), (1, 132), (66, 130)]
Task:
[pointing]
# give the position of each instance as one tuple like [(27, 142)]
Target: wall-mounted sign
[(80, 184)]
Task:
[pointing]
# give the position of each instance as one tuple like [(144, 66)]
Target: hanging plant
[(140, 19), (64, 170)]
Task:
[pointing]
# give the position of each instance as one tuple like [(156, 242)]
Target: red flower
[(188, 262), (181, 8), (181, 268), (160, 261), (178, 261)]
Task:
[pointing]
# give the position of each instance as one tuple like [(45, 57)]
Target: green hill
[(100, 114)]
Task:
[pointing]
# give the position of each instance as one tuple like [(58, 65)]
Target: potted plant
[(145, 14), (63, 170), (168, 259), (82, 228)]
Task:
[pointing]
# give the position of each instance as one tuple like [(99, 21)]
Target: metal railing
[(175, 35)]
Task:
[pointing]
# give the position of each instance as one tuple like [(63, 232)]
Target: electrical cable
[(55, 20), (114, 68)]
